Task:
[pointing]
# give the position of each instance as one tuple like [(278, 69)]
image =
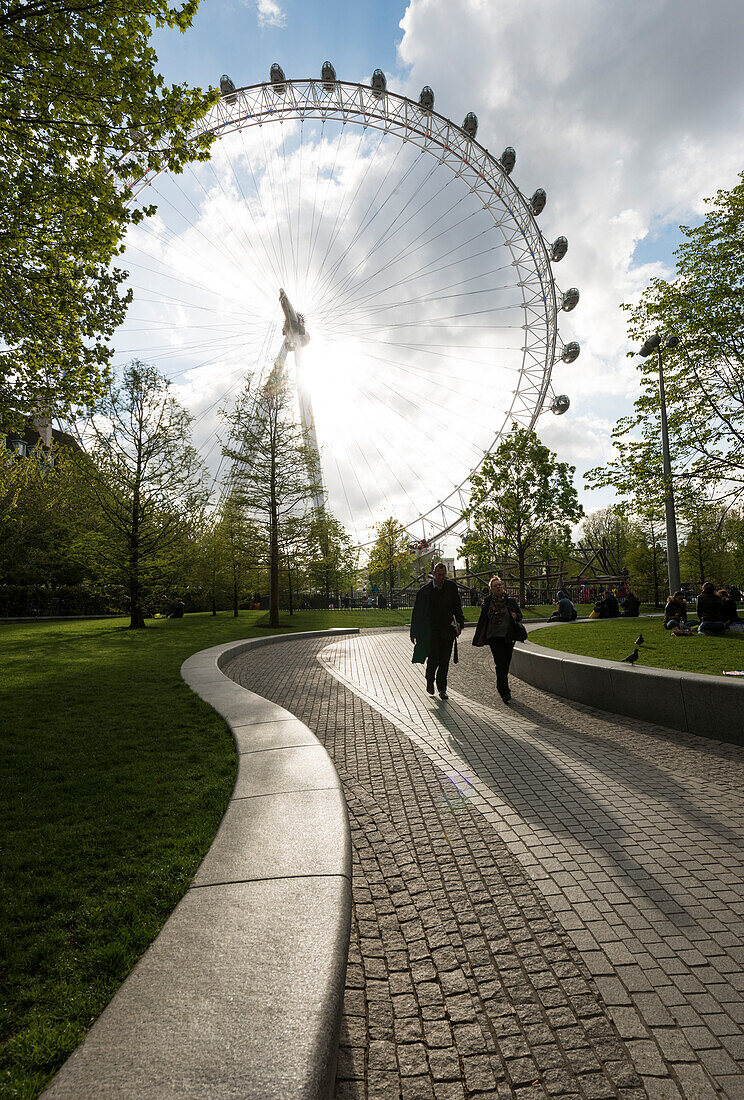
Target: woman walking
[(497, 627)]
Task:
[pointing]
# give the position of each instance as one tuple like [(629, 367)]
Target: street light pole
[(654, 344)]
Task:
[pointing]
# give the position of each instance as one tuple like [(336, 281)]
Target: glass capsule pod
[(537, 202), (426, 99), (378, 83), (470, 124), (227, 88), (508, 159)]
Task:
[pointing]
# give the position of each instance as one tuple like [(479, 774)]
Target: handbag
[(521, 631)]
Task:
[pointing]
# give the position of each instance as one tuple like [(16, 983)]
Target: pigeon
[(631, 658), (639, 640)]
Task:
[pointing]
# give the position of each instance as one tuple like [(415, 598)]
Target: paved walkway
[(547, 901)]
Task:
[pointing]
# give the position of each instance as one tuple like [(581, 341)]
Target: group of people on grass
[(717, 612), (606, 606)]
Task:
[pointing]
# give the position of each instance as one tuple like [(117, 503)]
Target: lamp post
[(654, 344)]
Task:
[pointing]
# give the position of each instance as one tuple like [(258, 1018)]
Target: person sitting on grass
[(710, 611), (565, 611), (631, 605), (606, 606), (730, 611), (675, 613)]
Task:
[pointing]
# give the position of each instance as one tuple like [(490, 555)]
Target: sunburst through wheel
[(419, 269)]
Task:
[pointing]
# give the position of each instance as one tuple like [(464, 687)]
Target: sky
[(629, 114)]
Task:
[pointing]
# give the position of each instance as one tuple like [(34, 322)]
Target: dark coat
[(709, 608), (421, 617), (481, 630)]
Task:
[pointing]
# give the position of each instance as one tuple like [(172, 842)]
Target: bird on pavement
[(631, 658), (639, 640)]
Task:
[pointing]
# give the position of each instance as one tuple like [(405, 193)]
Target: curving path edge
[(241, 993), (709, 706)]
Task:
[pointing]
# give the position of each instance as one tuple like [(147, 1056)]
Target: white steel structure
[(401, 275)]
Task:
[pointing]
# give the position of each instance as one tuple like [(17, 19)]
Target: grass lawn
[(613, 639), (115, 777)]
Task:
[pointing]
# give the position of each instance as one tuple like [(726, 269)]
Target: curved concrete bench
[(709, 706), (241, 993)]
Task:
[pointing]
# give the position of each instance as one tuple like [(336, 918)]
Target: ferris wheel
[(390, 253)]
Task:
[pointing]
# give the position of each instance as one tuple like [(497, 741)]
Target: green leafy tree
[(84, 111), (333, 561), (41, 508), (646, 552), (389, 551), (241, 546), (275, 472), (523, 501), (704, 553), (148, 485), (610, 526), (703, 305)]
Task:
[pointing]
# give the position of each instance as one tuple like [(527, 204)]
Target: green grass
[(614, 639), (115, 779)]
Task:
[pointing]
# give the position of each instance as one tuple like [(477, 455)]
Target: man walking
[(436, 621)]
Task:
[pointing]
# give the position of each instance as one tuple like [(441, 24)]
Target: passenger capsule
[(508, 159), (378, 83), (570, 352), (470, 124), (570, 299), (328, 76), (537, 202), (426, 99), (560, 404), (558, 249), (227, 88), (277, 78)]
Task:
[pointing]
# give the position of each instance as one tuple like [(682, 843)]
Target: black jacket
[(709, 608), (481, 631), (421, 616)]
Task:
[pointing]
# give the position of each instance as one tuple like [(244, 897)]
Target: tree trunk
[(274, 571), (235, 597), (655, 571), (289, 578), (520, 559), (136, 614), (701, 564)]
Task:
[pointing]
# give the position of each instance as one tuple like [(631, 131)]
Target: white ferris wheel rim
[(486, 179)]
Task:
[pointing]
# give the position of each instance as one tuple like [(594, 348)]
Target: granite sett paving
[(547, 900)]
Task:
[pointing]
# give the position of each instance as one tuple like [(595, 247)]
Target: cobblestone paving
[(547, 901)]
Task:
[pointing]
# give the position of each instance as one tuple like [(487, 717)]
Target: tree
[(84, 111), (704, 552), (523, 500), (608, 525), (241, 546), (40, 509), (333, 561), (147, 481), (703, 305), (389, 551), (646, 553), (275, 471)]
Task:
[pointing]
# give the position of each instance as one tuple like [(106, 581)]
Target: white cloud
[(628, 114), (270, 14)]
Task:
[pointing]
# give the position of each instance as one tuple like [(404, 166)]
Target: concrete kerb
[(241, 993), (709, 706)]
